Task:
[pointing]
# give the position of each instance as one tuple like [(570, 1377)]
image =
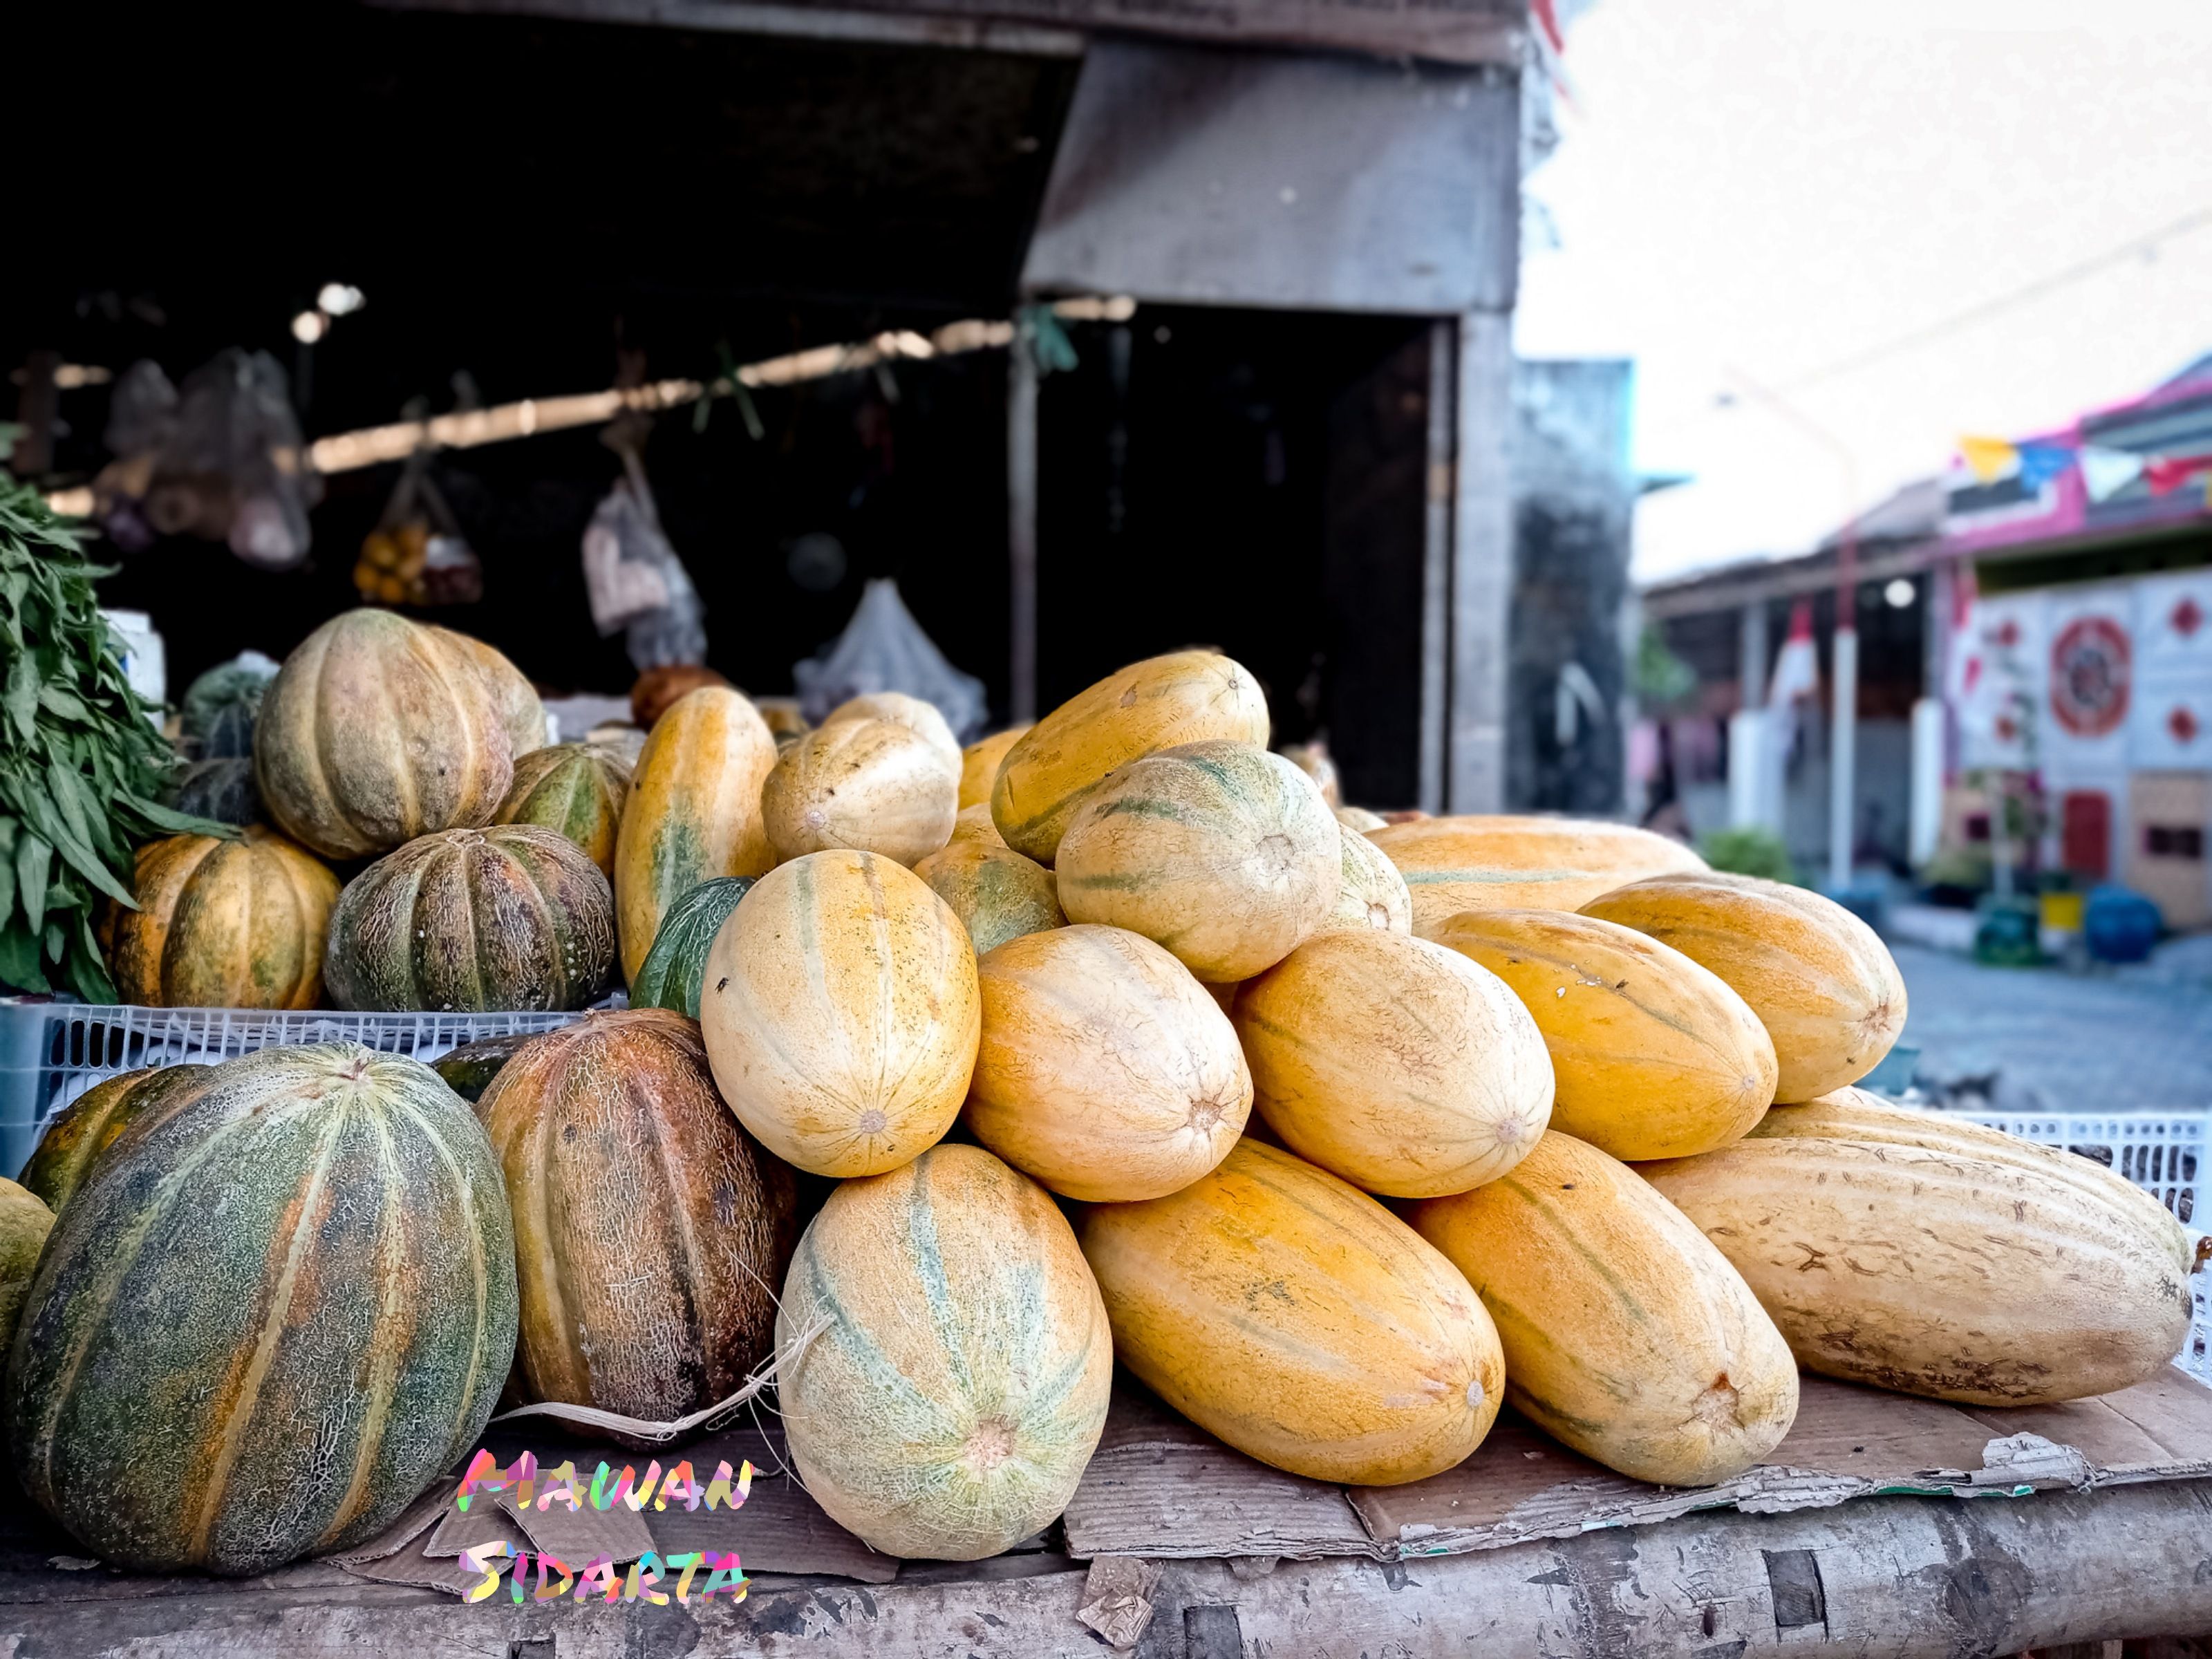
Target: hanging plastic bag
[(884, 648), (635, 581), (235, 468)]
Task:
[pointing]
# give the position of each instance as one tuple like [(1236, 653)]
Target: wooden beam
[(809, 23)]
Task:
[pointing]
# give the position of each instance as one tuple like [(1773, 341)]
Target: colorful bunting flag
[(1989, 459), (2105, 472), (2040, 462)]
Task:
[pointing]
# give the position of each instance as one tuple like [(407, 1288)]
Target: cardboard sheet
[(1161, 1488)]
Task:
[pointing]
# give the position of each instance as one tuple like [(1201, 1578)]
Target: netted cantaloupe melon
[(1221, 852), (1295, 1317), (873, 785), (222, 924), (944, 1361), (576, 789), (1189, 696), (1504, 862), (918, 715), (840, 1012), (694, 811), (1627, 1336), (1654, 1055), (1821, 980), (979, 766), (1917, 1252), (1395, 1063), (997, 893), (1372, 893), (1105, 1071)]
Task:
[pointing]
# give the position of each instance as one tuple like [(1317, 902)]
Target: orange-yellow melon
[(694, 811), (840, 1012), (1189, 696), (979, 766), (874, 785), (1505, 862), (1395, 1063), (1655, 1056), (1105, 1071), (1821, 980), (943, 1359), (1221, 852), (222, 924), (974, 823), (918, 715), (1627, 1336), (1299, 1320)]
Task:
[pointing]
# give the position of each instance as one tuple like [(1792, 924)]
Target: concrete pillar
[(1751, 654), (1482, 564), (1843, 752), (1021, 530)]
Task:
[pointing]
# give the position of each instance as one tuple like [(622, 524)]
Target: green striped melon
[(943, 1359), (997, 893), (24, 1224), (673, 967), (1221, 852), (81, 1134), (576, 788), (264, 1326), (1503, 862)]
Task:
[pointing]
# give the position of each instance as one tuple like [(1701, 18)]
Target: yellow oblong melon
[(693, 812), (840, 1011), (1655, 1056), (1507, 862), (979, 767), (974, 823), (997, 893), (1189, 696), (1627, 1336), (1395, 1063), (1372, 894), (1821, 980), (1914, 1252), (1221, 852), (1359, 819), (1296, 1318), (1105, 1071), (875, 786), (918, 715), (944, 1360)]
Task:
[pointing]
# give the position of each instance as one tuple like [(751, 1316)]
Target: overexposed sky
[(1759, 190)]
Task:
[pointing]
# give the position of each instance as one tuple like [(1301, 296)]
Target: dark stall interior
[(532, 208)]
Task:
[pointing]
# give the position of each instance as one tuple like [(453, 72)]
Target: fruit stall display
[(951, 1079)]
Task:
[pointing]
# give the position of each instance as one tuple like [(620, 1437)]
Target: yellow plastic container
[(2063, 911)]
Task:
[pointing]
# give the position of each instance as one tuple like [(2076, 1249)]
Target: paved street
[(2108, 1041)]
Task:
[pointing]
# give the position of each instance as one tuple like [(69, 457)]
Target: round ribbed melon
[(1654, 1055), (573, 787), (875, 786), (1105, 1071), (222, 924), (1502, 862), (1372, 894), (650, 1231), (1299, 1320), (1913, 1251), (979, 767), (1221, 852), (24, 1224), (943, 1363), (678, 961), (1395, 1063), (81, 1134), (376, 731), (1627, 1336), (694, 811), (511, 917), (263, 1325), (997, 893), (840, 1011), (1821, 980), (1359, 819), (918, 716), (520, 713), (1191, 696)]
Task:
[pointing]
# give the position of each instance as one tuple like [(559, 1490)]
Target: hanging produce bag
[(884, 648), (635, 580), (417, 555)]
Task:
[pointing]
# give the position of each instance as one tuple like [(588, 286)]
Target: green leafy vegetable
[(81, 760)]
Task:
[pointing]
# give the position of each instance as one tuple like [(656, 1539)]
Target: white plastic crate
[(52, 1052), (2163, 1152)]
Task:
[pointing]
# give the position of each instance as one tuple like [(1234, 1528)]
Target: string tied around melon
[(662, 1433)]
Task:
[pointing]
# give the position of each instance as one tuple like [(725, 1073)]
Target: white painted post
[(1926, 807), (1843, 758)]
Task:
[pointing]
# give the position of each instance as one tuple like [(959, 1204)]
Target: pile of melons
[(1125, 1043)]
